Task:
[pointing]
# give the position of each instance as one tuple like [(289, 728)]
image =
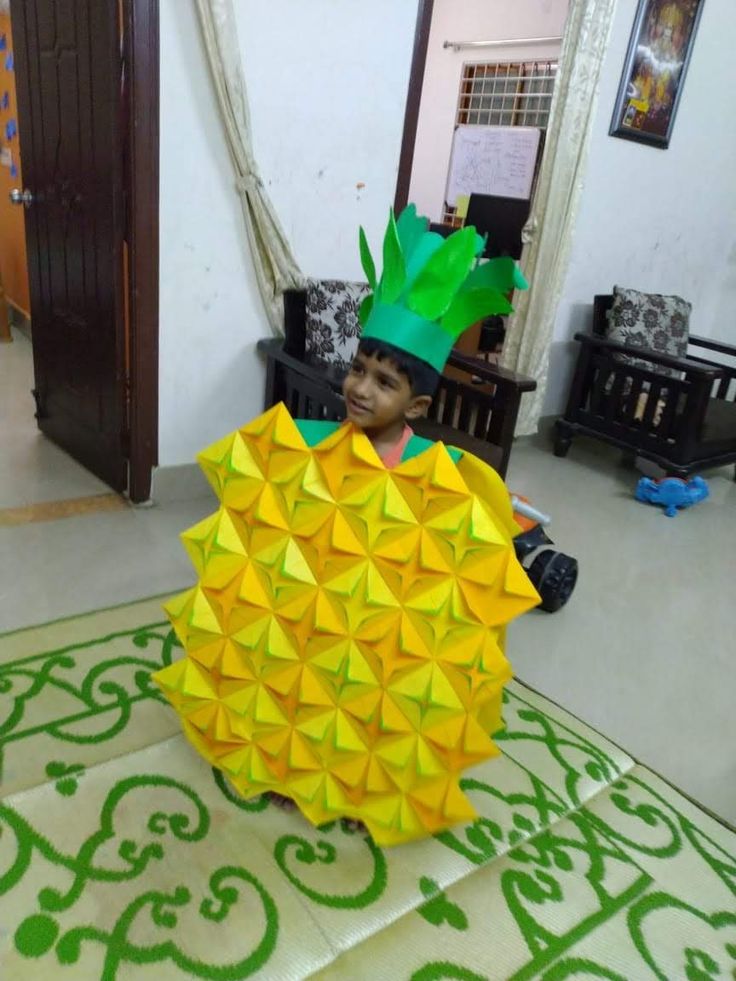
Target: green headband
[(432, 288)]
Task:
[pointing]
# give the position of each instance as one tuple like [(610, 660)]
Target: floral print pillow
[(332, 320), (661, 323)]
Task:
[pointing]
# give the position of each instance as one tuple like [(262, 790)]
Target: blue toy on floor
[(671, 492)]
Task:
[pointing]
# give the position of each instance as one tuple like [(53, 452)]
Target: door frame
[(143, 58), (413, 101)]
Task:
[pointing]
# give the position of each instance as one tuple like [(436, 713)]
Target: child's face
[(378, 395)]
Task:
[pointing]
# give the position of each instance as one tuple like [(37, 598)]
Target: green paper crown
[(432, 288)]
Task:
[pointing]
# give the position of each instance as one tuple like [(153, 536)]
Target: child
[(384, 390), (345, 639)]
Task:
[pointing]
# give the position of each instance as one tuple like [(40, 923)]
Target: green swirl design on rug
[(40, 933), (111, 687), (323, 853), (445, 971)]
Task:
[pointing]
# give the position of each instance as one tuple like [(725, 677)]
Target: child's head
[(386, 386)]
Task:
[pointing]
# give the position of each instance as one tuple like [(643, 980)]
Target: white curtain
[(275, 265), (549, 231)]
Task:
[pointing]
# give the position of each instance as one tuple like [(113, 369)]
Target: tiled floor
[(644, 652)]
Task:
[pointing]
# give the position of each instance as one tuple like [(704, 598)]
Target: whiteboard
[(496, 160)]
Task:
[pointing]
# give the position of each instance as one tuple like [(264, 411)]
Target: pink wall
[(469, 20)]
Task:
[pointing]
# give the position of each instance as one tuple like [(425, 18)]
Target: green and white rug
[(123, 856)]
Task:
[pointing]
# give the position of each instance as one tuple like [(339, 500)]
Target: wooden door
[(68, 68)]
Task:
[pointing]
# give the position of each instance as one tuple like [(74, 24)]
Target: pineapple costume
[(344, 641)]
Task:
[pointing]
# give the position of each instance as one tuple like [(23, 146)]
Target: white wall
[(327, 81), (660, 221), (469, 20)]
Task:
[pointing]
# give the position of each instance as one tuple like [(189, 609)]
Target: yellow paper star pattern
[(344, 641)]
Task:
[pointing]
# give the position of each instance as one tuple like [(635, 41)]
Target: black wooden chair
[(479, 418), (682, 422)]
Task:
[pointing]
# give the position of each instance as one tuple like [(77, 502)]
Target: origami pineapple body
[(344, 641)]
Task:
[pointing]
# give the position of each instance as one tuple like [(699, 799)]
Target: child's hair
[(422, 376)]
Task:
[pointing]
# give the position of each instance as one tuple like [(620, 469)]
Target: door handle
[(24, 197)]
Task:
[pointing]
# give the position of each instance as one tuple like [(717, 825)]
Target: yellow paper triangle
[(267, 709), (346, 735), (301, 754), (395, 506), (316, 726)]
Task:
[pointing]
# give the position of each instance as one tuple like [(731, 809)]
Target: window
[(514, 94)]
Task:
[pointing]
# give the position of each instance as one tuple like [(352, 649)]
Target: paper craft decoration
[(432, 288), (344, 643)]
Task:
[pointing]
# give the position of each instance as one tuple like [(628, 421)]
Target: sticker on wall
[(13, 170), (6, 157), (11, 129), (3, 42), (9, 63), (5, 101)]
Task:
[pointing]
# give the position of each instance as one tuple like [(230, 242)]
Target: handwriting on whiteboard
[(496, 160)]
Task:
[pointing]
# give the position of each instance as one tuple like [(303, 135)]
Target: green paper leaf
[(423, 252), (394, 268), (470, 306), (411, 229), (366, 260), (444, 274), (364, 310), (499, 274)]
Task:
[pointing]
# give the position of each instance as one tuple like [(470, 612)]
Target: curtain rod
[(457, 45)]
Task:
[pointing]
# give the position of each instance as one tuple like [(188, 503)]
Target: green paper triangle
[(499, 274), (411, 230), (366, 260), (470, 306), (364, 310), (394, 268), (443, 275)]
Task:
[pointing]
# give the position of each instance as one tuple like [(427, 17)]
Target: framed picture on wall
[(654, 73)]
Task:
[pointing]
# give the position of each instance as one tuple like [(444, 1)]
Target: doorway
[(479, 68), (79, 255)]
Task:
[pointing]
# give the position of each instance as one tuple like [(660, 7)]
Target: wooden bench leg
[(563, 438)]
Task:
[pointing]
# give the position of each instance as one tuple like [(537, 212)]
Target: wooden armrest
[(720, 346), (646, 354), (273, 347), (491, 372)]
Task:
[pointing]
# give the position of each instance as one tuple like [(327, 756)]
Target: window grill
[(510, 94)]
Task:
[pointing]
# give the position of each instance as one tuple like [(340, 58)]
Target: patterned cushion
[(649, 320), (332, 320)]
